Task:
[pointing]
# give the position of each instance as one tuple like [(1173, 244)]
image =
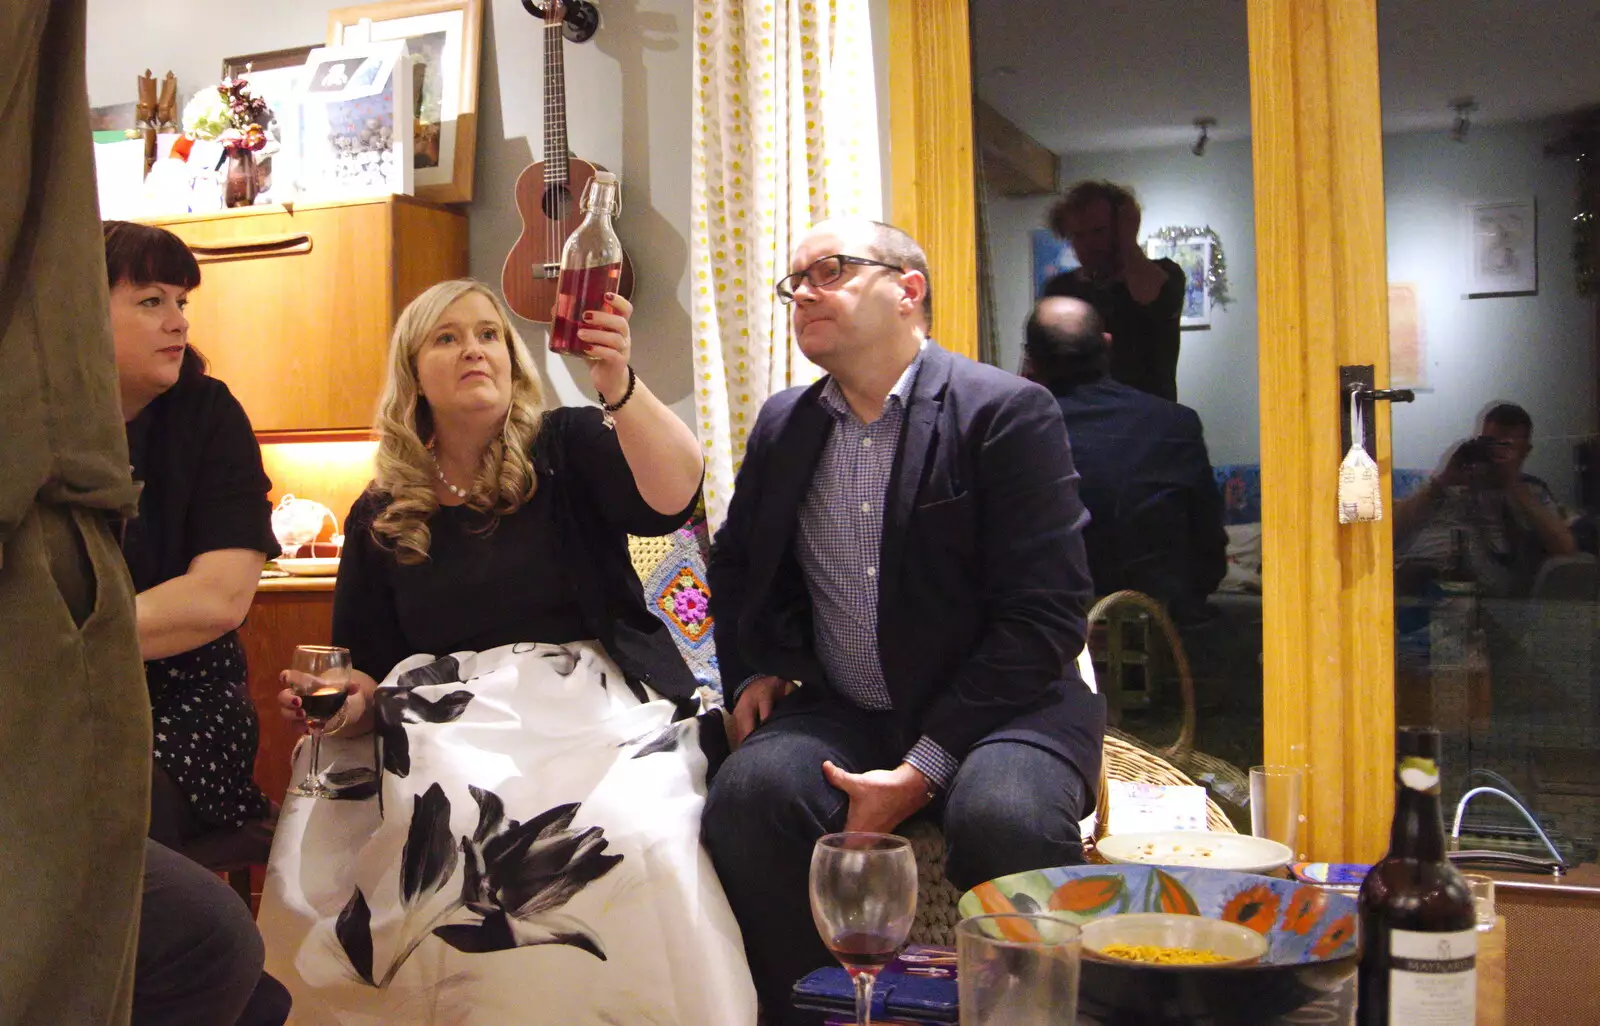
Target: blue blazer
[(1147, 481), (983, 584)]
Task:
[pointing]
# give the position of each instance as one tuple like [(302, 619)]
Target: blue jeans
[(1011, 807)]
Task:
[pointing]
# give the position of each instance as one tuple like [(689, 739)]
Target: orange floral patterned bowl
[(1310, 933)]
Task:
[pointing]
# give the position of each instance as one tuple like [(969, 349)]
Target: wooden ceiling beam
[(1014, 163)]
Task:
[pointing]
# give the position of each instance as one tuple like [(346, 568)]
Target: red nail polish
[(589, 316)]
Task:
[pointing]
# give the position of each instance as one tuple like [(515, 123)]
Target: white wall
[(1539, 350), (1216, 366), (628, 93)]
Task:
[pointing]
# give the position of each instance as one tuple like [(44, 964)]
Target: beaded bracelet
[(607, 409)]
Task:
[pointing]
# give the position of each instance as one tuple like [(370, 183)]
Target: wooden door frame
[(931, 156), (1328, 639)]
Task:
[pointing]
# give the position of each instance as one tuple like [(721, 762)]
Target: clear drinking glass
[(1018, 969), (321, 679), (1482, 890), (863, 900), (1277, 804)]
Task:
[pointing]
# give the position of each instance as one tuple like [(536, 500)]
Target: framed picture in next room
[(1502, 255), (1052, 255), (1193, 254), (443, 38)]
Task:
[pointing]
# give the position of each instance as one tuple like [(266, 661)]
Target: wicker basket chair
[(1121, 759), (1217, 775)]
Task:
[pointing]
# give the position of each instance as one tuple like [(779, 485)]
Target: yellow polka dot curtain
[(785, 135)]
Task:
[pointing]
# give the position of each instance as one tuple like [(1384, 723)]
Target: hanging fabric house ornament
[(1360, 492)]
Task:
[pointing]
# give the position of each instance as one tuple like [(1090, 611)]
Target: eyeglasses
[(825, 272)]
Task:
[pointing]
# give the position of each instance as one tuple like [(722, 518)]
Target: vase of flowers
[(228, 114)]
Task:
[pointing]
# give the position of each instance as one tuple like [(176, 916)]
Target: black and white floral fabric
[(531, 856)]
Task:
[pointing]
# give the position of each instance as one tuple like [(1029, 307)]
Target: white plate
[(320, 567), (1203, 848)]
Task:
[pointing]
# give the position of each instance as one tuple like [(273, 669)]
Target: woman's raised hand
[(610, 347)]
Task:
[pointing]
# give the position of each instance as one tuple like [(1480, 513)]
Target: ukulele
[(547, 196)]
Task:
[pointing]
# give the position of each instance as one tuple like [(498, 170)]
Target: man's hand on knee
[(880, 800), (755, 705)]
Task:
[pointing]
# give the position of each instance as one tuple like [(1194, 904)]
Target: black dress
[(1144, 337), (557, 570), (204, 490)]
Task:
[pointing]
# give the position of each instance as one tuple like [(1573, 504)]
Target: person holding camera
[(1480, 515)]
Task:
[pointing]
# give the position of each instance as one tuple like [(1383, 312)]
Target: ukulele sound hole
[(556, 202)]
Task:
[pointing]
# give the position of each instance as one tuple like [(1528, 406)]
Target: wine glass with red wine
[(863, 900), (321, 679)]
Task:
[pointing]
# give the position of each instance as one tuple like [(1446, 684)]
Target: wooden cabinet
[(286, 613), (295, 304)]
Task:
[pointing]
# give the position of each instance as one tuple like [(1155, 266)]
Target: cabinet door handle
[(247, 248)]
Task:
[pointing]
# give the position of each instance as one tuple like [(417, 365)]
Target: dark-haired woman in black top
[(196, 549)]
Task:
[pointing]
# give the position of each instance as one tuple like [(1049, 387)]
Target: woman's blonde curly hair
[(405, 469)]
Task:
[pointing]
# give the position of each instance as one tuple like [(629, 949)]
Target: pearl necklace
[(460, 493)]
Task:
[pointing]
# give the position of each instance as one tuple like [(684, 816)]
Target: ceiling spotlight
[(1463, 106), (1205, 125)]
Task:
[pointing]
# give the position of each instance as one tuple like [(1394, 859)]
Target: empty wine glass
[(863, 900), (321, 679)]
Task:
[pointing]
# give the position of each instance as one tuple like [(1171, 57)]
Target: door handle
[(246, 248), (1357, 379)]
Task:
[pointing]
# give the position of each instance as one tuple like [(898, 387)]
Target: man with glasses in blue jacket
[(899, 591)]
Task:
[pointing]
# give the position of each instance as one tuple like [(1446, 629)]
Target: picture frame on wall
[(1502, 248), (293, 57), (352, 122), (444, 38), (1193, 254), (1052, 255)]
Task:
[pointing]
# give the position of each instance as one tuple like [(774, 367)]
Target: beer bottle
[(1419, 932)]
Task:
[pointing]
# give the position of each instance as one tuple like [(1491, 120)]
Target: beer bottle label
[(1433, 978)]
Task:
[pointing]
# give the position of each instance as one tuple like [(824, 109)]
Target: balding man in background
[(1156, 514)]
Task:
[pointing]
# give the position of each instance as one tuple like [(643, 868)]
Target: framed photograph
[(1502, 255), (1052, 255), (443, 37), (253, 64), (1193, 254), (352, 123)]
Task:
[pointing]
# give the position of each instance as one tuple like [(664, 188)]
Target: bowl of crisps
[(1171, 939), (1303, 964)]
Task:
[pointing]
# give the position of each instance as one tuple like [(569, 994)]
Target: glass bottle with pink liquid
[(591, 265)]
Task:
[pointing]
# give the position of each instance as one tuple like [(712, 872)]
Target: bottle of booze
[(591, 265), (1419, 937)]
